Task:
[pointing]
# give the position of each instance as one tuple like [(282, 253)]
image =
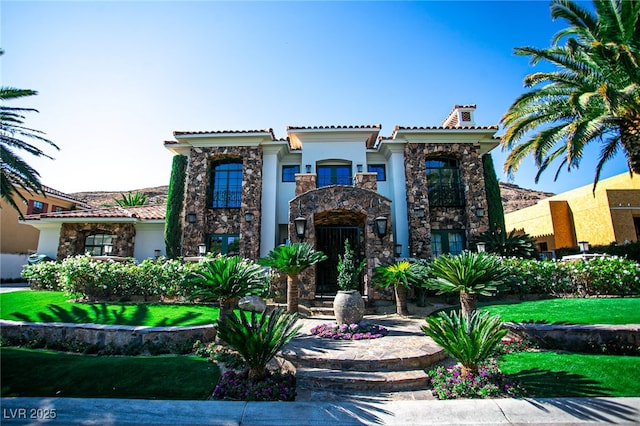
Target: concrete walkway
[(556, 411)]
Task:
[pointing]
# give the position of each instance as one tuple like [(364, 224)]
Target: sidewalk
[(549, 411)]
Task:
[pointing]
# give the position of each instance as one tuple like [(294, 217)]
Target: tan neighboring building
[(612, 214), (18, 240)]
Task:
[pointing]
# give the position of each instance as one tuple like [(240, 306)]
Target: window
[(94, 244), (58, 209), (38, 207), (289, 173), (227, 185), (443, 182), (450, 241), (228, 244), (379, 169), (334, 175)]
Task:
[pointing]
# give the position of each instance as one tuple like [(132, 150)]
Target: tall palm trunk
[(292, 293), (401, 300), (468, 303), (630, 139)]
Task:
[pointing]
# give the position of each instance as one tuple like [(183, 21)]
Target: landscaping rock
[(252, 303)]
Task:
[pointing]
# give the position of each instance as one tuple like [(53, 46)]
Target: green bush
[(602, 276), (103, 280)]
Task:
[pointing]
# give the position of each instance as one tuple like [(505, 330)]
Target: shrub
[(489, 382), (258, 337), (470, 340), (592, 277), (43, 275), (361, 331), (239, 386)]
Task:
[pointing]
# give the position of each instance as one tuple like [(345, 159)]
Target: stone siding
[(464, 217), (73, 235), (223, 221)]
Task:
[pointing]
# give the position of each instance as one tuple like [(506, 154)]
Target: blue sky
[(115, 79)]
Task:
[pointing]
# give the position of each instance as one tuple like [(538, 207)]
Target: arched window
[(443, 182), (94, 244), (226, 184)]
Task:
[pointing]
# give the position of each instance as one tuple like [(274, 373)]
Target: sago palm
[(592, 98), (258, 337), (131, 199), (400, 275), (468, 274), (225, 278), (509, 244), (14, 171), (292, 260), (468, 339)]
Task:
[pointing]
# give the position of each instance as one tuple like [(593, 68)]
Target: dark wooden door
[(330, 240)]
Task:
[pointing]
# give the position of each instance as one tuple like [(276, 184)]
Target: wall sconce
[(381, 226), (398, 250), (419, 211), (481, 247), (584, 246), (202, 249), (301, 226), (191, 217), (108, 248), (480, 212), (359, 168), (156, 253), (248, 216), (308, 168)]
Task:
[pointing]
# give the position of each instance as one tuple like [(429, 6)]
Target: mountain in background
[(513, 197)]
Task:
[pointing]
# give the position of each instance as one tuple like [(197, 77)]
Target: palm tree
[(399, 275), (292, 260), (131, 199), (225, 278), (509, 244), (592, 98), (14, 171), (469, 274)]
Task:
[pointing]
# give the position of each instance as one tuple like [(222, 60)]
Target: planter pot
[(348, 307)]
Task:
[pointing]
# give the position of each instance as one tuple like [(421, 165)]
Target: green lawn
[(52, 306), (551, 374), (27, 372), (572, 311)]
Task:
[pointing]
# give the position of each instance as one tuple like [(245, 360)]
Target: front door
[(330, 240)]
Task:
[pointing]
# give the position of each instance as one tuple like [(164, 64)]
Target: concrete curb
[(556, 411)]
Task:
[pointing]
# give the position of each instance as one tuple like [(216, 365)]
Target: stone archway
[(348, 206)]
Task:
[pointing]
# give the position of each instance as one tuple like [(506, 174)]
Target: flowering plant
[(274, 386), (490, 382), (360, 331)]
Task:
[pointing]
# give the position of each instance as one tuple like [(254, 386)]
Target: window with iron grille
[(443, 182), (226, 184), (334, 175), (450, 241)]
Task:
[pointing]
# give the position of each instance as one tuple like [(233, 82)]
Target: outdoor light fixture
[(381, 226), (301, 226), (398, 250), (359, 168), (308, 167), (584, 246), (480, 212), (202, 249), (191, 217), (481, 246), (156, 252), (419, 211), (108, 248), (248, 216)]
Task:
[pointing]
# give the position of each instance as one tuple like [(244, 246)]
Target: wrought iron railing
[(230, 199)]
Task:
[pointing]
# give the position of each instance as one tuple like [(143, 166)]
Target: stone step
[(389, 363), (383, 381)]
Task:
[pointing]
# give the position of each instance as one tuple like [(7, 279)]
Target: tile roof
[(142, 213), (214, 132), (374, 126)]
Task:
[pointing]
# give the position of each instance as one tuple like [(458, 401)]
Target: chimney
[(460, 116)]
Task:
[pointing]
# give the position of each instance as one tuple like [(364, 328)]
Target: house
[(610, 214), (20, 239), (416, 193), (127, 231)]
